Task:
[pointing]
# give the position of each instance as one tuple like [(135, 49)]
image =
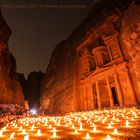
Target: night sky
[(36, 31)]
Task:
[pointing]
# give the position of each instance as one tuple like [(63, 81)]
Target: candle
[(115, 131), (94, 129), (108, 137), (54, 133), (20, 128), (87, 136), (32, 128), (12, 135), (16, 126), (26, 137), (1, 132), (93, 125), (75, 131), (72, 126), (24, 131), (109, 125), (127, 123), (4, 128), (81, 127), (38, 132)]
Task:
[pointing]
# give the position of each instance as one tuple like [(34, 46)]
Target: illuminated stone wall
[(10, 89), (93, 67)]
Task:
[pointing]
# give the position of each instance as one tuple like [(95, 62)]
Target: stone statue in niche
[(101, 56), (131, 37)]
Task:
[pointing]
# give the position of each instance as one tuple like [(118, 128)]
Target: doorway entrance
[(114, 94)]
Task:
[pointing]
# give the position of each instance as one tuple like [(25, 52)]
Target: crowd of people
[(11, 112)]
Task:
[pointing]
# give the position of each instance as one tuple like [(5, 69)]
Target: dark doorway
[(115, 99), (95, 97)]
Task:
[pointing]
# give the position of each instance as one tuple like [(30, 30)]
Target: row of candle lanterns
[(99, 124)]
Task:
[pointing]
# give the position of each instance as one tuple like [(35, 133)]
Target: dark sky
[(36, 31)]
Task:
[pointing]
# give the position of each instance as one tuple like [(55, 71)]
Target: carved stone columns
[(98, 95), (118, 89), (109, 92)]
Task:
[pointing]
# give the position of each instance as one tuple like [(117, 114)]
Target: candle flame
[(38, 132), (109, 125), (12, 135), (108, 137), (93, 125), (115, 131), (127, 123), (4, 128), (87, 136), (54, 134), (20, 128), (1, 132), (94, 129), (72, 126), (32, 128), (54, 129), (24, 131), (26, 137), (75, 131), (81, 127)]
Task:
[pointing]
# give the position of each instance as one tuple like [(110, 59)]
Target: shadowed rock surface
[(31, 87), (10, 88)]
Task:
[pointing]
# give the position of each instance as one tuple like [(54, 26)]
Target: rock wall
[(31, 87), (131, 40), (60, 88), (10, 89), (57, 86)]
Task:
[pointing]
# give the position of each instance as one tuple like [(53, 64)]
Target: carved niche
[(101, 55)]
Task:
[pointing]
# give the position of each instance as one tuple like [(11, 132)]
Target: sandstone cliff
[(60, 88), (10, 89), (31, 87)]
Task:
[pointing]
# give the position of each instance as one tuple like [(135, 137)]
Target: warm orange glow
[(38, 132), (75, 131), (20, 128), (127, 123), (26, 137), (32, 128), (23, 131), (115, 131), (87, 136), (108, 137), (94, 129), (12, 135), (80, 125), (1, 132), (54, 133), (4, 128)]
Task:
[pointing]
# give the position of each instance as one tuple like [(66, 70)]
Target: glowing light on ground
[(87, 136), (98, 124), (115, 131), (54, 133), (1, 132), (12, 135), (26, 137), (38, 132)]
